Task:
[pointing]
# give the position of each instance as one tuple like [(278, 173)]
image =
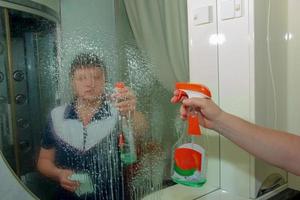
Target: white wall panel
[(293, 105), (204, 69)]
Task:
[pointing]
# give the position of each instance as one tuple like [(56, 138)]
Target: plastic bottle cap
[(119, 85)]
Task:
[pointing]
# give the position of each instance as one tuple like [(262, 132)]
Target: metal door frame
[(11, 91)]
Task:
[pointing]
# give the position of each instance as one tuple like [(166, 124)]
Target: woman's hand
[(125, 100), (65, 182), (209, 112)]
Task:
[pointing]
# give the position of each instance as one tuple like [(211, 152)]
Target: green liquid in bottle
[(199, 183)]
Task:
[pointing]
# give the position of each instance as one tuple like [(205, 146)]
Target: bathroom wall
[(87, 27), (293, 106), (244, 52), (203, 59)]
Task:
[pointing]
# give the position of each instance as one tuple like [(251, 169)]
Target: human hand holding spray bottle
[(190, 159), (126, 138)]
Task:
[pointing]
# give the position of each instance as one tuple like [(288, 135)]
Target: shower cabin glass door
[(28, 70)]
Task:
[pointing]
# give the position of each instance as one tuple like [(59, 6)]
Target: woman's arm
[(276, 147), (46, 164), (47, 167)]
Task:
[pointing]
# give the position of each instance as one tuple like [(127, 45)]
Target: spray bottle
[(126, 138), (190, 159)]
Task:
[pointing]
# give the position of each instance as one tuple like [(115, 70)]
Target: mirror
[(37, 81)]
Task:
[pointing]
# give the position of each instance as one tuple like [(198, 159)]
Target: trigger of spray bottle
[(193, 118)]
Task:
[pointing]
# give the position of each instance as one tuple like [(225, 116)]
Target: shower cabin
[(28, 69)]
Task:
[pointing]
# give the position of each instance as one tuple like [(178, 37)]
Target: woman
[(79, 148)]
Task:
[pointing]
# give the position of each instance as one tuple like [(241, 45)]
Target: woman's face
[(88, 83)]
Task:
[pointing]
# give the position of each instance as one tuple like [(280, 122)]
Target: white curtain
[(160, 30)]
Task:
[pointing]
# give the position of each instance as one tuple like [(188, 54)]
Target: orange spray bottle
[(189, 158)]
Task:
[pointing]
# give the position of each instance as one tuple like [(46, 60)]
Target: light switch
[(202, 15), (227, 9), (238, 8)]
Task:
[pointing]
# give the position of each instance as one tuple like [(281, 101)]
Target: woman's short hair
[(86, 60)]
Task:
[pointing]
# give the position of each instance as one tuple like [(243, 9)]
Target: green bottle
[(126, 138)]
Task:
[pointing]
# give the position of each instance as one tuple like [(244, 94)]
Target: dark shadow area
[(287, 194)]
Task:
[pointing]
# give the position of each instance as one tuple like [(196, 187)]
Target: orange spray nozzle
[(119, 85), (194, 89), (181, 94), (190, 90)]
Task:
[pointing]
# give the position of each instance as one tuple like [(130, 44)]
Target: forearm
[(276, 147), (48, 168)]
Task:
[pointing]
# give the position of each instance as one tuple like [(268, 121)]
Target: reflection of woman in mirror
[(80, 146)]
